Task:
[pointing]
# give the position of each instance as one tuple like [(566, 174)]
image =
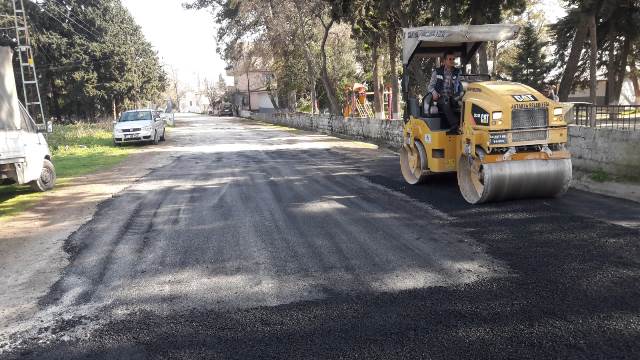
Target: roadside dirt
[(31, 243)]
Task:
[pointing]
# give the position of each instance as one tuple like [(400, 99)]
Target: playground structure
[(358, 102)]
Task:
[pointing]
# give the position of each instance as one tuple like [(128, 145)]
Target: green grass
[(603, 176), (77, 150), (600, 176)]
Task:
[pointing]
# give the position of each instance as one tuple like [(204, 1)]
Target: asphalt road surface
[(262, 242)]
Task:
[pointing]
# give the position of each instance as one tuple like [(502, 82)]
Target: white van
[(24, 152)]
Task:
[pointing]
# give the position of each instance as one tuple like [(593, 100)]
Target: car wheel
[(47, 178)]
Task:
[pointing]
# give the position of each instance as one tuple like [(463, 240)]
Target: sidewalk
[(622, 190)]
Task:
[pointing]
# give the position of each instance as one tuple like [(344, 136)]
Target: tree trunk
[(311, 72), (311, 64), (378, 106), (292, 100), (611, 69), (334, 107), (483, 59), (474, 64), (494, 54), (593, 58), (621, 71), (393, 65), (636, 82), (249, 89), (274, 100), (480, 64), (314, 97), (572, 63)]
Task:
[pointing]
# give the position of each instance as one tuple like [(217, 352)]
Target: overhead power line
[(41, 48), (63, 23), (92, 28), (75, 22)]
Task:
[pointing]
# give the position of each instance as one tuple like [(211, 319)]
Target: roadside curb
[(627, 191)]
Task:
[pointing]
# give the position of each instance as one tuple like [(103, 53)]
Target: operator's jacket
[(438, 76)]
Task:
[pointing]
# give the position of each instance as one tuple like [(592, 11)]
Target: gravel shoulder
[(32, 242)]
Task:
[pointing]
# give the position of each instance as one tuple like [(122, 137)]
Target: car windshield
[(135, 116)]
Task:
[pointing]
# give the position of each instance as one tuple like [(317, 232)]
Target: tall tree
[(91, 54), (478, 12), (530, 66), (615, 31)]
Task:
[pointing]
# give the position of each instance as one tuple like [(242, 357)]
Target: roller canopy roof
[(464, 40)]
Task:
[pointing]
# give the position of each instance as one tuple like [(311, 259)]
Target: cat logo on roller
[(511, 142), (525, 98), (480, 115)]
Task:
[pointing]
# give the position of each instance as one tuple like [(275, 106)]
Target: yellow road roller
[(511, 140)]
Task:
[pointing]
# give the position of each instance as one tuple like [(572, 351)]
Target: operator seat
[(430, 113)]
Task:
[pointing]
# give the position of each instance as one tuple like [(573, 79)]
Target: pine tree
[(530, 66), (89, 54)]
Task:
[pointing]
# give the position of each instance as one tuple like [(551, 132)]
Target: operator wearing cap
[(444, 86)]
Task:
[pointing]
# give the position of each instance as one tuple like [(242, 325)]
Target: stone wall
[(379, 131), (614, 151)]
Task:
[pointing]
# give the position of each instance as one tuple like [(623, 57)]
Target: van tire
[(47, 179)]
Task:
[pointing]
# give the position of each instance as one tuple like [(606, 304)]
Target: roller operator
[(445, 86)]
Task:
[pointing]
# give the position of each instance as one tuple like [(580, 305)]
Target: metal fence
[(621, 117)]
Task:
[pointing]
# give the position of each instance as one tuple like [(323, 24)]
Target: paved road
[(260, 242)]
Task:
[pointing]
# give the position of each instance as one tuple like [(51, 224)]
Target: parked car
[(144, 125), (226, 109)]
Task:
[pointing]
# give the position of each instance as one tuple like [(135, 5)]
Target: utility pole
[(30, 89)]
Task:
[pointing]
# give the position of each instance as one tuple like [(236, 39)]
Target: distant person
[(445, 86)]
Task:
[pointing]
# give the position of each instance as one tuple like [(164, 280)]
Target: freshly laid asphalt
[(262, 242)]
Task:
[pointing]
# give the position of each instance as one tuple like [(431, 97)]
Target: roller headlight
[(557, 112), (496, 118)]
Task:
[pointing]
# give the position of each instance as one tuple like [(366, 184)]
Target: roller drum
[(513, 179), (413, 163)]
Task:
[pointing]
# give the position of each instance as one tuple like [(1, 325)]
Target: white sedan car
[(139, 126)]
